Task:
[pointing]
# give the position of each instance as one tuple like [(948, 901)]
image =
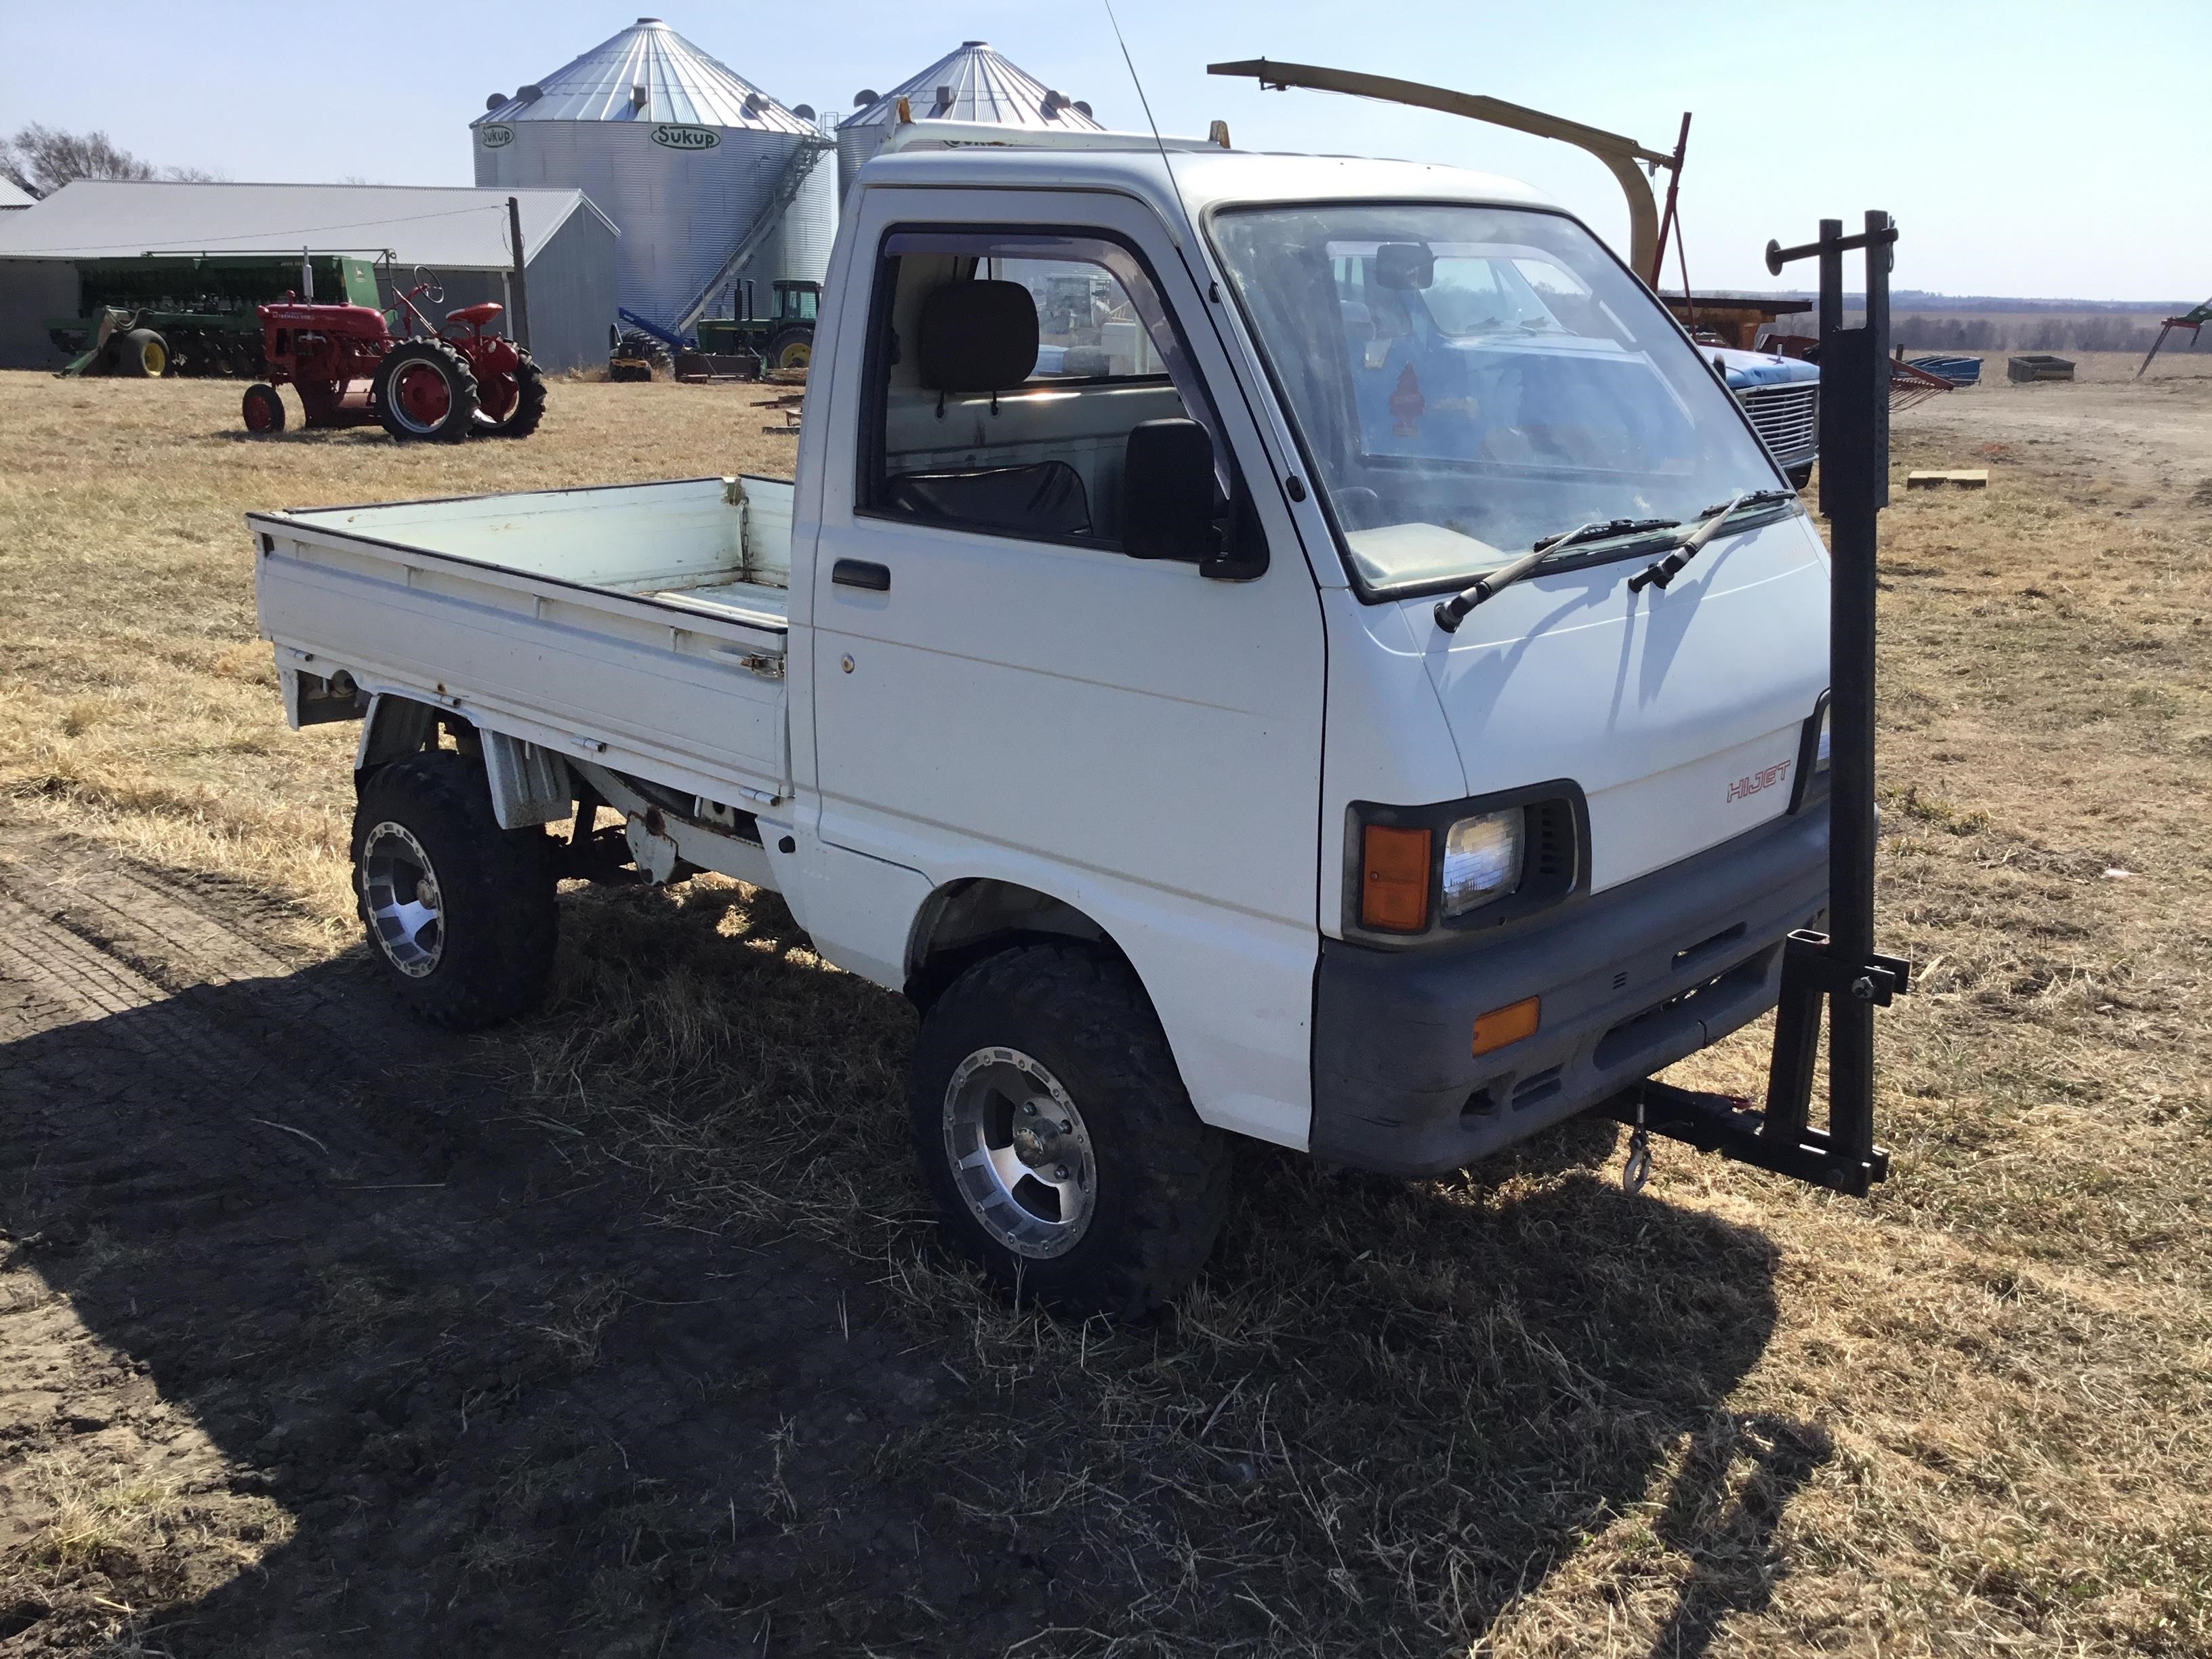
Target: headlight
[(1482, 858), (1820, 741)]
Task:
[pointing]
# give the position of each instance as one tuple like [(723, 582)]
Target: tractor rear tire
[(424, 390), (529, 401), (263, 409), (142, 354), (791, 349)]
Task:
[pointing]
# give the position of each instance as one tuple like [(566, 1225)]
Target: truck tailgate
[(647, 636)]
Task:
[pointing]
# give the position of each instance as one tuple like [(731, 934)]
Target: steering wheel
[(432, 290)]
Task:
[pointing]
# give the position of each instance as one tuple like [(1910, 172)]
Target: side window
[(1006, 371)]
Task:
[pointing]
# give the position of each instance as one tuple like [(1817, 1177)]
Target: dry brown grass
[(1514, 1411)]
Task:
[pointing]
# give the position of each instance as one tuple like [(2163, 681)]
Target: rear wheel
[(1056, 1135), (790, 350), (527, 408), (263, 409), (425, 389), (142, 354), (459, 912)]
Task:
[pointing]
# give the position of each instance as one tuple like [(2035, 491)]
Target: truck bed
[(639, 627)]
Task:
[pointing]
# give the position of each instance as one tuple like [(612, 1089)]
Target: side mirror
[(1166, 492), (1405, 264)]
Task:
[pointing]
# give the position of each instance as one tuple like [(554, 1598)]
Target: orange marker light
[(1395, 879), (1508, 1025)]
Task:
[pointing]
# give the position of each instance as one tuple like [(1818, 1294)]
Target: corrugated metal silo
[(710, 179), (972, 83)]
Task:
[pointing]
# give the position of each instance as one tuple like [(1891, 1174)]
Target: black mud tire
[(1163, 1175), (529, 401), (143, 355), (496, 891), (461, 399), (789, 350), (262, 409)]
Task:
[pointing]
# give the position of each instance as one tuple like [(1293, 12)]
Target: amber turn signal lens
[(1508, 1025), (1395, 879)]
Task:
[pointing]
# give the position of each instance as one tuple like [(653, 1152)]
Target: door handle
[(862, 573)]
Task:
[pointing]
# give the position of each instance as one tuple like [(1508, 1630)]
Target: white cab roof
[(1205, 176)]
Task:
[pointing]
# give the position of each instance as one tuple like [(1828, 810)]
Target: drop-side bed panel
[(482, 606)]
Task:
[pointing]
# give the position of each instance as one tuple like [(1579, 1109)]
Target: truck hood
[(1748, 368), (1678, 711)]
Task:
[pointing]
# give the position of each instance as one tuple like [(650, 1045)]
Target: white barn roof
[(975, 83), (678, 83), (13, 195), (446, 228)]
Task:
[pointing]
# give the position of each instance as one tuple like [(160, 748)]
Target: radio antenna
[(1159, 143)]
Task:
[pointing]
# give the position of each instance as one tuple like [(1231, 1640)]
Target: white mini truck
[(1209, 660)]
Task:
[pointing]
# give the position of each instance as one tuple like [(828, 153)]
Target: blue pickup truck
[(1782, 395)]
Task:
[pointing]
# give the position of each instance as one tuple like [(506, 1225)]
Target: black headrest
[(977, 337)]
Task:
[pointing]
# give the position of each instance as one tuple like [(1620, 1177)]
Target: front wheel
[(1056, 1135), (264, 410), (459, 911)]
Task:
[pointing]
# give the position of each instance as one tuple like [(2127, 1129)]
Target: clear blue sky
[(2029, 148)]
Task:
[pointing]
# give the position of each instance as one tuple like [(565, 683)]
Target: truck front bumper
[(1632, 979)]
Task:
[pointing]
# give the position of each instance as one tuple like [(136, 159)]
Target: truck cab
[(1093, 691)]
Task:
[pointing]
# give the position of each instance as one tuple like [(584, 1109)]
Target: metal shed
[(711, 181), (13, 195), (460, 235), (971, 83)]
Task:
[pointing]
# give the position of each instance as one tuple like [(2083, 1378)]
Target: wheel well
[(397, 727), (963, 922)]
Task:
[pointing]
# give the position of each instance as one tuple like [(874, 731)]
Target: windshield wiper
[(1663, 571), (1451, 612)]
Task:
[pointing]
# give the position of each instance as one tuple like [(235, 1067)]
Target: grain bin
[(971, 84), (710, 181)]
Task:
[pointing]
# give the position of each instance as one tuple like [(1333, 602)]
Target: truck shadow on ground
[(503, 1405)]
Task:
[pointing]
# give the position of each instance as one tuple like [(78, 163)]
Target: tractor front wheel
[(263, 409), (425, 389), (527, 407), (142, 354)]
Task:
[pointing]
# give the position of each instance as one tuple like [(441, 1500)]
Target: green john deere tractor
[(783, 342)]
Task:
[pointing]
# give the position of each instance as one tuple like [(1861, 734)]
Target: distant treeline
[(2024, 332)]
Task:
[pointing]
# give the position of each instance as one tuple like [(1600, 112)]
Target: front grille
[(1787, 417)]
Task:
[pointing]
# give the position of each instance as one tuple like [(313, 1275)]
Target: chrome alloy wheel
[(406, 911), (1020, 1153)]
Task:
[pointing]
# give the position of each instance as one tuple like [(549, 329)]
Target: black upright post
[(1854, 488)]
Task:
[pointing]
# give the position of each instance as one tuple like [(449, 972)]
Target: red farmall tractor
[(441, 384)]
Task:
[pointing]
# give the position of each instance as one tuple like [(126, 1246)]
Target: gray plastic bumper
[(1632, 980)]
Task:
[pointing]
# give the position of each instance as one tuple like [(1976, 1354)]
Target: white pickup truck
[(1365, 692)]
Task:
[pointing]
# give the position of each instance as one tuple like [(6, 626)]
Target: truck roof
[(1206, 175)]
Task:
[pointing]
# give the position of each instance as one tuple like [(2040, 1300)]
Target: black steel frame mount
[(1840, 971)]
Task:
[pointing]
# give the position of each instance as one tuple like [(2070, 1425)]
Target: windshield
[(1469, 380)]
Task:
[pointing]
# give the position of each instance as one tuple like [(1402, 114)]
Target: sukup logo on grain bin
[(496, 137), (676, 137)]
